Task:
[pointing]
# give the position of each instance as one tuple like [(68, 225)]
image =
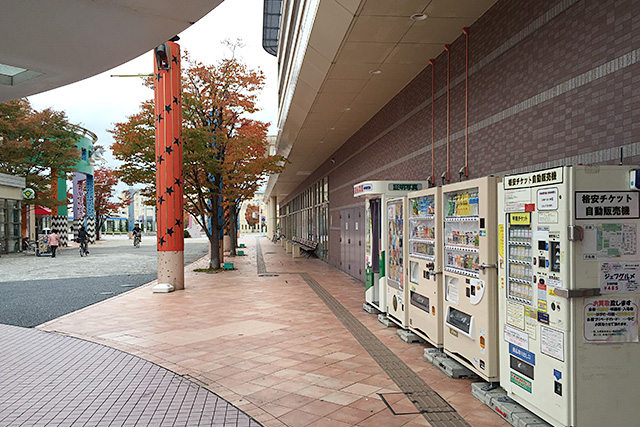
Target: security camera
[(162, 56)]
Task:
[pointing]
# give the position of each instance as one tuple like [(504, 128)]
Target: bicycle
[(136, 241), (83, 249)]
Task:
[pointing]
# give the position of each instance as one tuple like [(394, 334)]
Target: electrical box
[(376, 194), (425, 265), (469, 257), (568, 294)]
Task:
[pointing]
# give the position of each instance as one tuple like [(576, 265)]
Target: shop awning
[(41, 210)]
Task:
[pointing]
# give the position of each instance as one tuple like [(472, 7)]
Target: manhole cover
[(268, 275)]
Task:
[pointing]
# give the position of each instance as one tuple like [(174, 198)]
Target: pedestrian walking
[(54, 242)]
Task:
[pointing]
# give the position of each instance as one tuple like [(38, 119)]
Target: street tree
[(222, 147), (251, 215), (38, 146)]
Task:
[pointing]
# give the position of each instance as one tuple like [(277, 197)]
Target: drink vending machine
[(376, 194), (397, 251), (568, 293), (469, 256), (425, 265)]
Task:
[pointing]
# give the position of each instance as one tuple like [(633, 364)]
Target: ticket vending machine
[(568, 293), (469, 256), (376, 194), (425, 265)]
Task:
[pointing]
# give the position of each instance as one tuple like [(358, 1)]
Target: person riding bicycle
[(137, 235), (82, 239)]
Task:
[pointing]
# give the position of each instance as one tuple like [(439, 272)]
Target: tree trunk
[(214, 246)]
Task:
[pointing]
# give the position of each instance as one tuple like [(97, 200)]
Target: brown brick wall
[(602, 114)]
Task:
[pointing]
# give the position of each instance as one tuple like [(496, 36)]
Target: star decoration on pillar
[(178, 223), (169, 190), (159, 117), (158, 76), (176, 141), (160, 200), (174, 59), (170, 231), (175, 100), (177, 182), (161, 241), (160, 159), (167, 108), (168, 149)]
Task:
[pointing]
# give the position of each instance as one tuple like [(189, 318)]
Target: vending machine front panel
[(426, 314), (470, 277), (396, 269)]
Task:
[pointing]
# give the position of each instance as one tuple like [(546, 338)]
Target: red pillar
[(169, 179)]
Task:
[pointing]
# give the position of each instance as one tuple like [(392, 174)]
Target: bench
[(307, 246)]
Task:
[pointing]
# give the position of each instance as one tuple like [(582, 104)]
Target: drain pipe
[(433, 122), (465, 31), (448, 49)]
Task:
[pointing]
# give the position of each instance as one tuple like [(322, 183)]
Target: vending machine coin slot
[(420, 301)]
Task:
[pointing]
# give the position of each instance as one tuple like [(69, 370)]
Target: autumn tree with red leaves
[(225, 153), (36, 145), (251, 215), (104, 182)]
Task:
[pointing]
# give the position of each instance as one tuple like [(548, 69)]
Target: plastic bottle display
[(463, 203), (463, 238), (466, 261), (422, 206), (396, 262), (420, 230)]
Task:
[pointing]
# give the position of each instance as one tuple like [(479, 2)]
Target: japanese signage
[(607, 204), (515, 200), (552, 343), (611, 320), (548, 199), (361, 188), (523, 218), (405, 187), (619, 277), (534, 179), (516, 337)]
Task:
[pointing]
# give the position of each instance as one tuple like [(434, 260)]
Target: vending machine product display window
[(396, 255)]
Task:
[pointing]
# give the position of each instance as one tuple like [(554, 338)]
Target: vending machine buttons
[(555, 257)]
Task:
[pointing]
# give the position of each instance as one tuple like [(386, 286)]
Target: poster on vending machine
[(619, 277), (610, 320)]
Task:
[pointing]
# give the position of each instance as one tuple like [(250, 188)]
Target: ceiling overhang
[(337, 90), (64, 41)]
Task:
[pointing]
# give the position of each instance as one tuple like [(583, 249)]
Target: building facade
[(11, 213), (522, 86)]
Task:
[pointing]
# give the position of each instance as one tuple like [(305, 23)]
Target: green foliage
[(36, 145)]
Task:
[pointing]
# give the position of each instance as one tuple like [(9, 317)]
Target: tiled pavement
[(51, 379), (270, 346)]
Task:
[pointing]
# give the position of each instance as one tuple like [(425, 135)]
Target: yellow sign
[(501, 240), (520, 218)]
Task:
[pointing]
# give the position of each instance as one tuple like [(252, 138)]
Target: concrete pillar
[(272, 216), (169, 179)]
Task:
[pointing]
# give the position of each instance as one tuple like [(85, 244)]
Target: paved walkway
[(292, 349)]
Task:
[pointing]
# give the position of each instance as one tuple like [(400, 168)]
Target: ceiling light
[(347, 108), (375, 72), (418, 17)]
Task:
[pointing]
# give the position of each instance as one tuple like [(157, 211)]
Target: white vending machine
[(470, 282), (425, 265), (568, 276), (376, 194)]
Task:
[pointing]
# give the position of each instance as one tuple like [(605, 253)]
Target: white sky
[(99, 102)]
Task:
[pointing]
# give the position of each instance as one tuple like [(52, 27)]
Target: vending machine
[(470, 281), (425, 265), (568, 293), (376, 194)]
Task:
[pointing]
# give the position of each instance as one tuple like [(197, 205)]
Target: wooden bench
[(307, 246)]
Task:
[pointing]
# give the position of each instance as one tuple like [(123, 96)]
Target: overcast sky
[(99, 102)]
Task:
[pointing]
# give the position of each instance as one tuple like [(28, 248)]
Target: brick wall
[(551, 82)]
